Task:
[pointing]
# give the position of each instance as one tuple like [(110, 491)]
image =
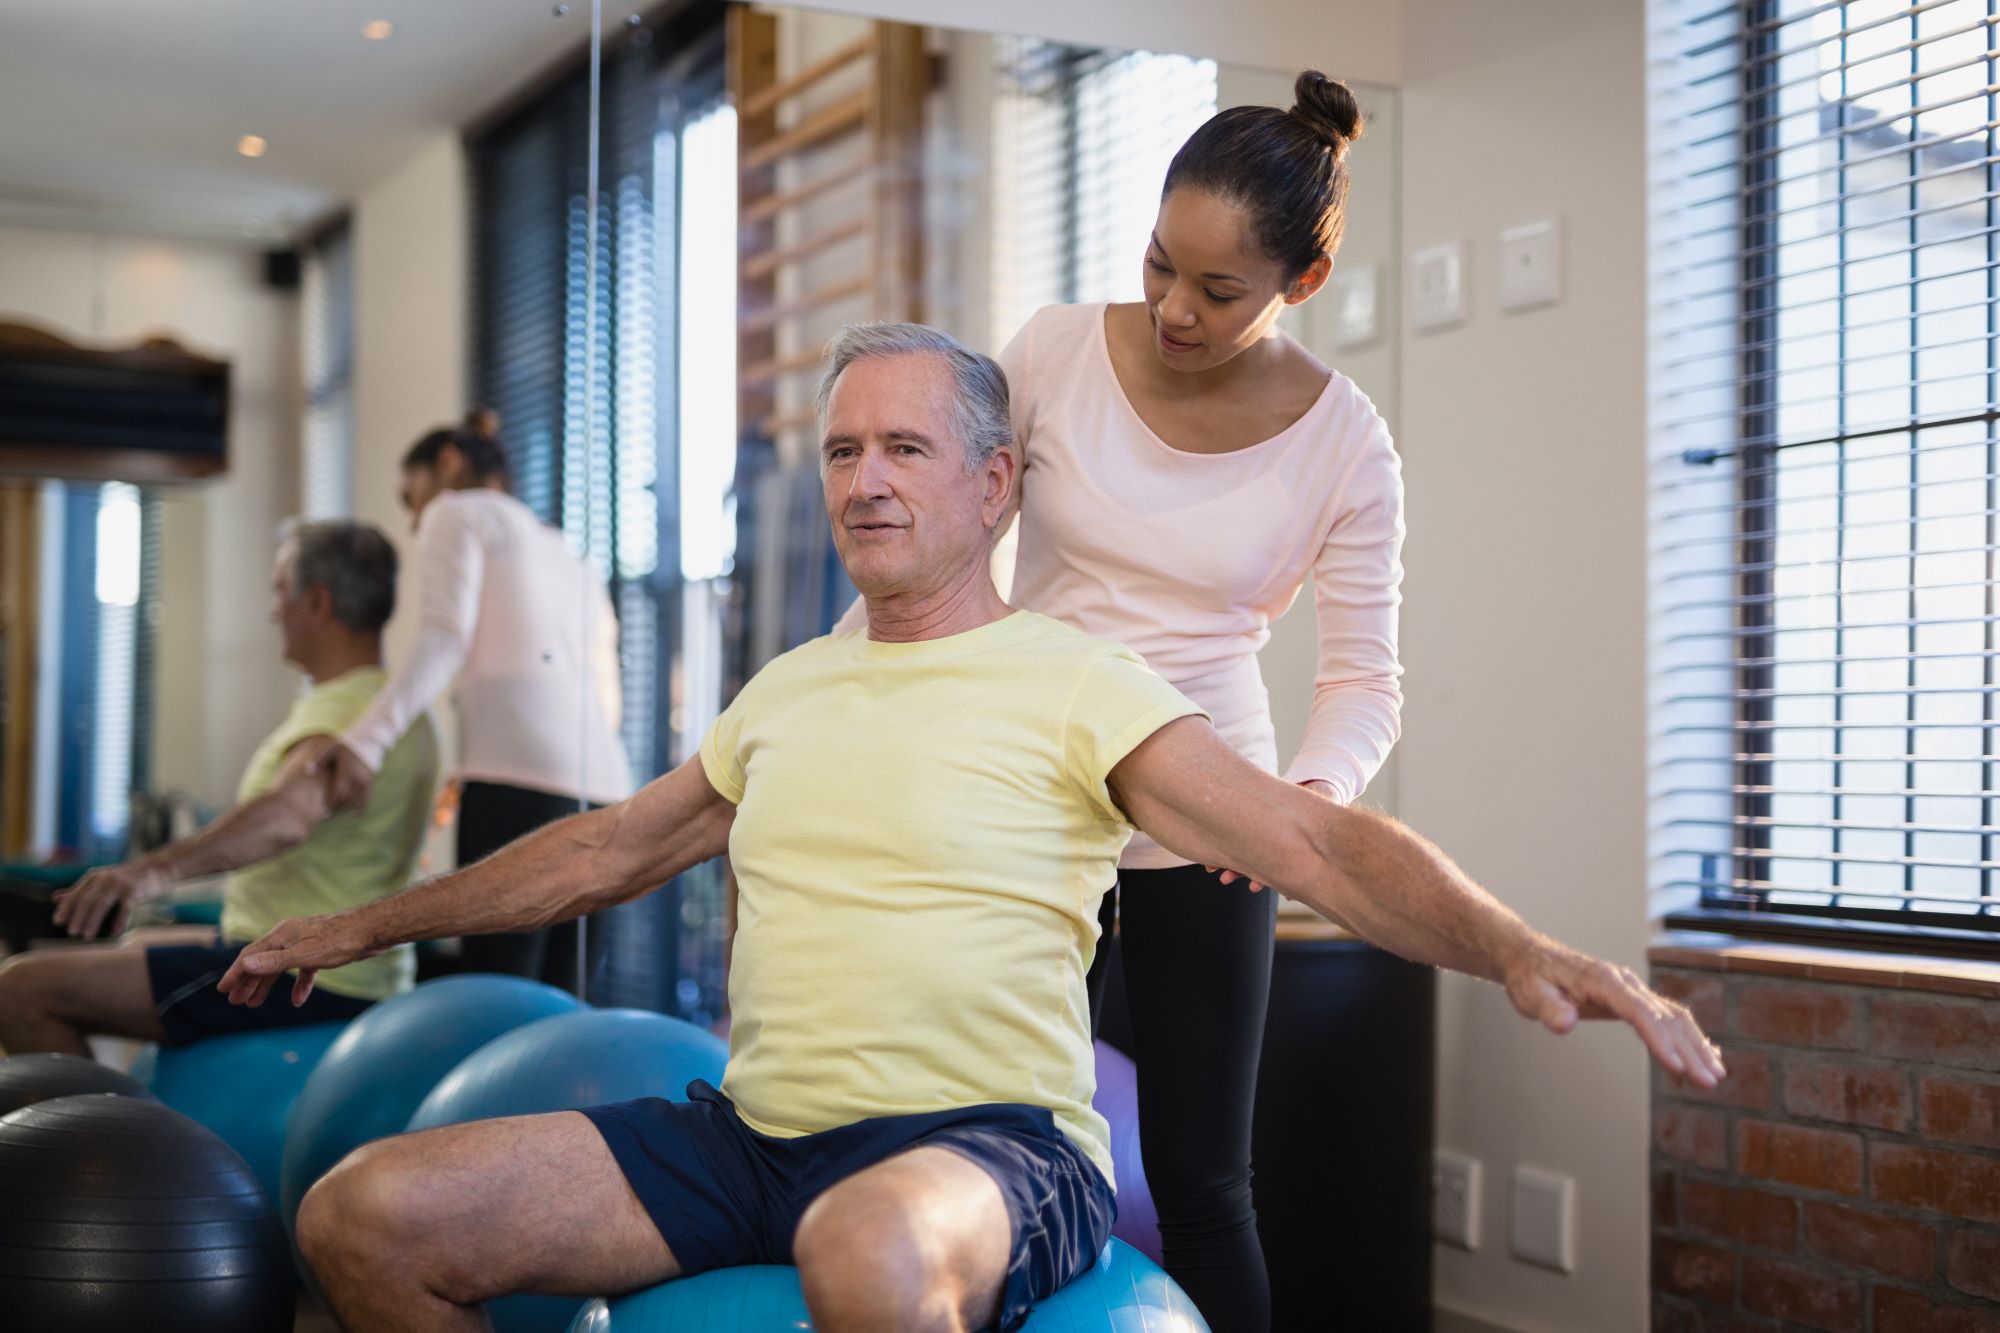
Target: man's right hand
[(307, 944)]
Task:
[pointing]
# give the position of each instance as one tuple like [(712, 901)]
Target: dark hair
[(354, 563), (1287, 169), (478, 440)]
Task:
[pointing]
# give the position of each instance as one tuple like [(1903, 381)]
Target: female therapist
[(527, 629), (1187, 467)]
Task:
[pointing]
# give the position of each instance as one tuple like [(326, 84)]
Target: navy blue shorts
[(184, 976), (723, 1194)]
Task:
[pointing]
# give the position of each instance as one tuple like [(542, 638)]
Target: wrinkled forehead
[(909, 392)]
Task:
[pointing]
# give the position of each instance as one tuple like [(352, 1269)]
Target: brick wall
[(1847, 1176)]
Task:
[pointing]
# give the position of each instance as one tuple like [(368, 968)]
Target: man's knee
[(380, 1214), (866, 1262), (24, 979)]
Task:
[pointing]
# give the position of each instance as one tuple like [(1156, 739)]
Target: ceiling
[(125, 114)]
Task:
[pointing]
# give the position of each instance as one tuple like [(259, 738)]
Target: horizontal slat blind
[(327, 437), (1825, 732), (1081, 142)]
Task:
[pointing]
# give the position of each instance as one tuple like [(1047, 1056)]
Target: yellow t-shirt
[(354, 857), (923, 834)]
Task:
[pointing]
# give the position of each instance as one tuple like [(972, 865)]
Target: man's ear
[(1002, 476), (319, 600)]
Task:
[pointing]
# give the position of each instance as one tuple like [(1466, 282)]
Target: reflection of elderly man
[(922, 820), (333, 589)]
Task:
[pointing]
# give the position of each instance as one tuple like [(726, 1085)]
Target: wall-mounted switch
[(1531, 266), (1542, 1220)]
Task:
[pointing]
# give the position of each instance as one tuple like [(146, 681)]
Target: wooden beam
[(769, 206), (806, 78), (783, 365), (752, 37), (771, 317), (20, 627), (760, 266), (829, 122), (896, 128)]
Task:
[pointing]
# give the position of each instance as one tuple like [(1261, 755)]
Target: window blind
[(327, 435), (1081, 142), (1823, 468)]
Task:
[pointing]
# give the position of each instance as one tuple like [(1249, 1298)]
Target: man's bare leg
[(915, 1244), (51, 999), (412, 1233)]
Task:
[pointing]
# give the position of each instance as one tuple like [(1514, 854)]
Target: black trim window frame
[(1738, 901)]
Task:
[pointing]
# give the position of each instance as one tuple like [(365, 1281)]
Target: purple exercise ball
[(1117, 1100)]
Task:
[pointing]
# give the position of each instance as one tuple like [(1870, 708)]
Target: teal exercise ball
[(242, 1086), (562, 1064), (370, 1081), (1123, 1292)]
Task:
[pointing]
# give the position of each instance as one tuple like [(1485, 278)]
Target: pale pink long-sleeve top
[(1186, 558), (527, 630)]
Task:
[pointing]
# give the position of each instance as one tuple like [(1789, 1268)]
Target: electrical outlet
[(1437, 287), (1542, 1219), (1455, 1198)]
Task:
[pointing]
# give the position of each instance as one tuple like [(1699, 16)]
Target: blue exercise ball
[(560, 1064), (372, 1079), (242, 1086), (1124, 1292)]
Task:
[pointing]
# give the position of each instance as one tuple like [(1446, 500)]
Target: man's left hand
[(1558, 986)]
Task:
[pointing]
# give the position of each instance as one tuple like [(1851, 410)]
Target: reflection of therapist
[(528, 630)]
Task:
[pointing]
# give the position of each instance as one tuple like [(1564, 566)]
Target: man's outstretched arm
[(257, 830), (1199, 799), (581, 864)]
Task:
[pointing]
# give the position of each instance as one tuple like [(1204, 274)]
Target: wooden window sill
[(1852, 967)]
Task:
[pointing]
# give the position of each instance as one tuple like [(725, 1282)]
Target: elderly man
[(333, 589), (922, 820)]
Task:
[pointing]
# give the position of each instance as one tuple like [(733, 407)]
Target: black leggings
[(491, 815), (1197, 962)]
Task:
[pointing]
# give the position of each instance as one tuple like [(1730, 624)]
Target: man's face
[(907, 516), (300, 614)]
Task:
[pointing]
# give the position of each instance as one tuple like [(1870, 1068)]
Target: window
[(1823, 406), (597, 391), (326, 474), (1082, 139)]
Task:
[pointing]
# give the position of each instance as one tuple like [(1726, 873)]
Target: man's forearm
[(251, 832), (559, 871), (1396, 890)]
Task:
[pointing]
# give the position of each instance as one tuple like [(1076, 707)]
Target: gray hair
[(979, 414), (353, 561)]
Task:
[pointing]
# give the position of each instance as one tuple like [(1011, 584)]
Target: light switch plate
[(1357, 304), (1437, 287), (1531, 265), (1541, 1225)]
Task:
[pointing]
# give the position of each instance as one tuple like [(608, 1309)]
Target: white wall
[(1523, 626), (411, 312), (222, 682), (1352, 39)]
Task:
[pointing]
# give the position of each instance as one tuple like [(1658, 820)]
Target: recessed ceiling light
[(377, 30), (251, 145)]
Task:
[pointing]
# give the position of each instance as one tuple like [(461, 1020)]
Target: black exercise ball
[(27, 1079), (120, 1214)]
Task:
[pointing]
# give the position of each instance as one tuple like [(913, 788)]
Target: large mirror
[(252, 256)]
